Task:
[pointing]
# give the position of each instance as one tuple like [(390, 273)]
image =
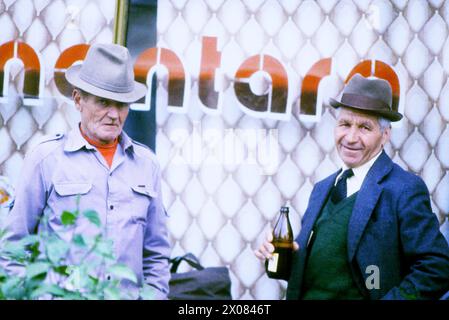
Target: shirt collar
[(75, 141), (361, 171)]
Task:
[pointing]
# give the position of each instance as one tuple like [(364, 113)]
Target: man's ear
[(386, 136), (76, 96)]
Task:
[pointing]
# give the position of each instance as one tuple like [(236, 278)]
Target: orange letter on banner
[(242, 89), (363, 68), (6, 53), (384, 71), (276, 100), (381, 70), (33, 77), (32, 70), (210, 61), (279, 80), (178, 83), (309, 90), (66, 59)]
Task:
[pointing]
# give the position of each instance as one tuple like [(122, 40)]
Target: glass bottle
[(279, 266)]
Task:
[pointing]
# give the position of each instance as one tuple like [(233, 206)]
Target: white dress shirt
[(354, 183)]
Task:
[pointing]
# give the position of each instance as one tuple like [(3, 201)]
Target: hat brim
[(387, 114), (72, 76)]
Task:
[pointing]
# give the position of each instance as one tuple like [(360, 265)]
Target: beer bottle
[(279, 266)]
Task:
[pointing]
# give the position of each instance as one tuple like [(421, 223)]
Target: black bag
[(211, 283)]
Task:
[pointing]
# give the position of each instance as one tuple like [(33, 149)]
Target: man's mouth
[(351, 148)]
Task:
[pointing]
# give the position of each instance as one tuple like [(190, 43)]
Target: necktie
[(339, 190)]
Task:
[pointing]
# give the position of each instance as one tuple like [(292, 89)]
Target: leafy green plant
[(44, 266)]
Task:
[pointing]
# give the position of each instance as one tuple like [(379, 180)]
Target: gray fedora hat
[(373, 96), (107, 72)]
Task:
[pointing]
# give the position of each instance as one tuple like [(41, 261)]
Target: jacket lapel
[(316, 203), (366, 201)]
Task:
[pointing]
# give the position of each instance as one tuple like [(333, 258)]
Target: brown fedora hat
[(373, 96), (107, 72)]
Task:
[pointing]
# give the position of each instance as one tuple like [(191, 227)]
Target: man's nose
[(352, 135), (113, 111)]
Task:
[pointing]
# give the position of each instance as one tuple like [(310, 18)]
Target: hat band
[(364, 102), (106, 86)]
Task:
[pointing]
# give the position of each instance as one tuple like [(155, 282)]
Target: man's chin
[(109, 136), (351, 162), (110, 130)]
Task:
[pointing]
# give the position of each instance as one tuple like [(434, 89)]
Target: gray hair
[(383, 122), (83, 93)]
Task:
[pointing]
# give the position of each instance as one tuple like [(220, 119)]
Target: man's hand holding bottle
[(278, 248), (266, 249)]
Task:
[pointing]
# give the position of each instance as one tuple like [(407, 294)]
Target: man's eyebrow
[(110, 101), (366, 123)]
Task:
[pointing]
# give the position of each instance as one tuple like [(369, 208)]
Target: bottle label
[(273, 263)]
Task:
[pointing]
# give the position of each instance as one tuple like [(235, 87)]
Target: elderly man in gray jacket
[(115, 176)]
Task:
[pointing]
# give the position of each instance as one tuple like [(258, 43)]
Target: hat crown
[(109, 67), (376, 89), (107, 72), (370, 95)]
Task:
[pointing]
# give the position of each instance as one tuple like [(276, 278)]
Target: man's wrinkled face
[(358, 137), (102, 119)]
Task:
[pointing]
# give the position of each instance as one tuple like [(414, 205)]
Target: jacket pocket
[(143, 196), (71, 189), (64, 198), (144, 190)]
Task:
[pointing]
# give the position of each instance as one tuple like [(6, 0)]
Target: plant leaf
[(93, 217), (36, 269), (62, 270), (112, 294), (3, 274), (56, 249), (30, 239), (73, 296), (78, 240), (44, 289), (104, 248), (123, 272), (91, 296), (13, 288), (15, 250), (2, 233), (68, 218)]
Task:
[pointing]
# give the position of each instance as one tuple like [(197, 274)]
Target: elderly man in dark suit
[(369, 231)]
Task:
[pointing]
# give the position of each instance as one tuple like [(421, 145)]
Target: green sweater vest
[(327, 274)]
